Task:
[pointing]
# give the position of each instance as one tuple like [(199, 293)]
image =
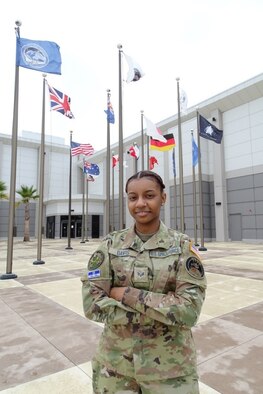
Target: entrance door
[(235, 227), (95, 226), (50, 231), (64, 229)]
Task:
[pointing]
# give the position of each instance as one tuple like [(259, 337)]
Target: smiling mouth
[(142, 213)]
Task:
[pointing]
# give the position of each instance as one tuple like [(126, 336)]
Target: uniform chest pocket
[(121, 262), (165, 264)]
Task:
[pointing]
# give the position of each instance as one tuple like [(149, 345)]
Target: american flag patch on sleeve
[(94, 274)]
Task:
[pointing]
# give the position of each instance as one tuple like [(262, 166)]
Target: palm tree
[(3, 194), (27, 193)]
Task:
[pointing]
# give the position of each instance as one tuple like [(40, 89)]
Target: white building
[(232, 174)]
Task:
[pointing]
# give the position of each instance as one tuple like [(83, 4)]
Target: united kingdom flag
[(60, 102)]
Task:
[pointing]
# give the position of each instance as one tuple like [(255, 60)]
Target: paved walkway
[(46, 344)]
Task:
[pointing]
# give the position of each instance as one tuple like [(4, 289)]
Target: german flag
[(162, 146)]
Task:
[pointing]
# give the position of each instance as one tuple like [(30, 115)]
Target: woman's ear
[(163, 198)]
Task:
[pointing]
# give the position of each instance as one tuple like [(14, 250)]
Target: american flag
[(81, 149), (60, 102)]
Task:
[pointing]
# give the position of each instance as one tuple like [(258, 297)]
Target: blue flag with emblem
[(38, 55)]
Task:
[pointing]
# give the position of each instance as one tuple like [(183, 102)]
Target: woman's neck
[(146, 229)]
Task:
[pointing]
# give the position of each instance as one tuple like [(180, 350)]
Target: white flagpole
[(200, 185), (83, 203), (108, 159), (69, 195), (12, 192), (175, 190), (142, 142), (181, 175), (194, 195), (87, 211), (121, 208), (41, 178), (112, 198)]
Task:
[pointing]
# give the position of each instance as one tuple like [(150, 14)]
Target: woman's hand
[(117, 293)]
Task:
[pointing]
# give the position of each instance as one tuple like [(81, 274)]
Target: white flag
[(153, 132), (135, 71), (183, 102)]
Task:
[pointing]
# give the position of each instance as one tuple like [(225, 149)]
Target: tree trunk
[(27, 222)]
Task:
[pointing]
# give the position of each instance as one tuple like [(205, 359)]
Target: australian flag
[(110, 113), (209, 131), (91, 169), (60, 102)]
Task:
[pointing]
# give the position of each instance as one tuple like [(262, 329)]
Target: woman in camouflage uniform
[(147, 284)]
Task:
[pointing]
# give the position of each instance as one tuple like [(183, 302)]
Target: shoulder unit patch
[(96, 260), (194, 267)]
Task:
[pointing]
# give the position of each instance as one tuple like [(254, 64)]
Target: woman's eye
[(132, 198)]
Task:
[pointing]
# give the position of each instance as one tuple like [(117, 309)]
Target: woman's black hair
[(146, 174)]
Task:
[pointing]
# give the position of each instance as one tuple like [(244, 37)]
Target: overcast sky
[(211, 45)]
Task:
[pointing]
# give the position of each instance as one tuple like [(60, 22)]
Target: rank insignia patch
[(96, 260), (195, 268)]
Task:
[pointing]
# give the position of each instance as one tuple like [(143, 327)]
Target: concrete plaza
[(47, 344)]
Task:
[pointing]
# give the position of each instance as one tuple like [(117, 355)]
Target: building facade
[(232, 175)]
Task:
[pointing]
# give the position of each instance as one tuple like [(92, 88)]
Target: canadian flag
[(152, 161), (134, 151)]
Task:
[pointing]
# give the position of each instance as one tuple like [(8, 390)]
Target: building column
[(220, 193)]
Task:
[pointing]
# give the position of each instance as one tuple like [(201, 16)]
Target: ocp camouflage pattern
[(147, 336)]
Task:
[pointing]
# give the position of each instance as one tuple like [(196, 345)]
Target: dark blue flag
[(110, 113), (194, 152), (41, 56), (209, 131)]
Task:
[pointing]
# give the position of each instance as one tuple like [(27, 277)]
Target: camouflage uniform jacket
[(147, 335)]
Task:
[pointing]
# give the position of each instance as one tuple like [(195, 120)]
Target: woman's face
[(144, 203)]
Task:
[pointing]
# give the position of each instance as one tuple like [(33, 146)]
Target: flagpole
[(175, 191), (69, 195), (194, 196), (83, 205), (181, 176), (112, 198), (121, 210), (12, 194), (202, 247), (142, 142), (148, 151), (87, 209), (136, 160), (107, 205), (41, 178)]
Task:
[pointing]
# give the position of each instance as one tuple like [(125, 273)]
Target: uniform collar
[(161, 239)]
